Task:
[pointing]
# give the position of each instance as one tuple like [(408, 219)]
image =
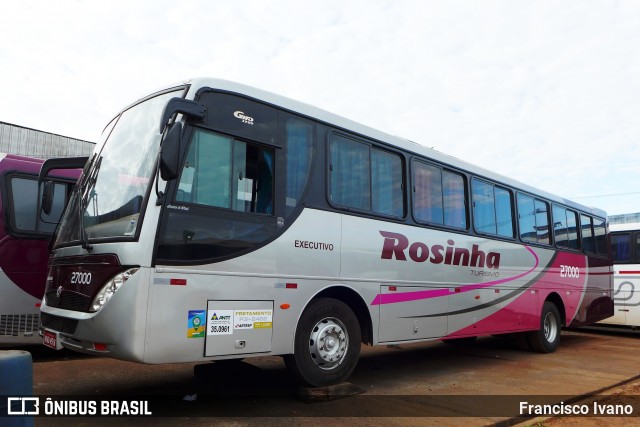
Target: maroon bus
[(24, 238)]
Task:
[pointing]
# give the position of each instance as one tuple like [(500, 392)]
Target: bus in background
[(24, 237), (625, 248), (249, 224)]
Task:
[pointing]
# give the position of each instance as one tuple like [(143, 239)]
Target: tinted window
[(621, 247), (492, 207), (24, 205), (454, 200), (564, 228), (542, 222), (364, 177), (588, 243), (427, 187), (223, 172), (298, 137), (560, 230), (439, 196), (350, 174), (600, 235), (386, 183), (533, 219)]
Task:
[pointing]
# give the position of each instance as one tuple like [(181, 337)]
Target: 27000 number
[(569, 271)]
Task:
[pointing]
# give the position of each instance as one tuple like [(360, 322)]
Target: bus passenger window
[(386, 183), (427, 187), (587, 233), (533, 219), (350, 176), (299, 146), (600, 235), (621, 247), (492, 209)]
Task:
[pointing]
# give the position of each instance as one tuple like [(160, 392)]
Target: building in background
[(624, 218), (28, 142)]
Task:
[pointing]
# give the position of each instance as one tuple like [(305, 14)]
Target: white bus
[(218, 221), (625, 249)]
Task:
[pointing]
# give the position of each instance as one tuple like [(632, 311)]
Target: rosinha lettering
[(397, 246)]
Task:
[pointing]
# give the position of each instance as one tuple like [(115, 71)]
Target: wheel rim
[(328, 343), (550, 327)]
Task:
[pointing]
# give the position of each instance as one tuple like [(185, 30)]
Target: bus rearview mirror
[(47, 196), (170, 152)]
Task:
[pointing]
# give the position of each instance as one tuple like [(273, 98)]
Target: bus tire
[(547, 338), (327, 343)]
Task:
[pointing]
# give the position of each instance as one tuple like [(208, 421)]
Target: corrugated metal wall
[(42, 145)]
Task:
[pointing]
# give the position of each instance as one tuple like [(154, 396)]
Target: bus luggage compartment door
[(238, 327)]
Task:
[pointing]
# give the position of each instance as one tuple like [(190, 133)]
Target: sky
[(545, 92)]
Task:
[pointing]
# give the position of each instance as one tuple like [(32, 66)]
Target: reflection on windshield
[(112, 192)]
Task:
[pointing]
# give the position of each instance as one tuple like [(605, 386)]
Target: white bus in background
[(625, 248), (219, 221)]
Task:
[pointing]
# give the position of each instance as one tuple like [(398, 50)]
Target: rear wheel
[(327, 343), (547, 338)]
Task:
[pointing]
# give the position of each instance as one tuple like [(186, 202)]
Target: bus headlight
[(110, 288)]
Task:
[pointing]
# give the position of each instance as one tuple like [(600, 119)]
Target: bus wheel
[(327, 343), (547, 338)]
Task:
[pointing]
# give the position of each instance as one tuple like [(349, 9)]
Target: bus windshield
[(112, 190)]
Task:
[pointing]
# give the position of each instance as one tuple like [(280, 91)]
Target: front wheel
[(547, 338), (327, 343)]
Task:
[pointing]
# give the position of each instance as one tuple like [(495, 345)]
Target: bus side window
[(23, 206), (621, 247), (588, 243), (298, 135), (226, 173), (560, 229), (533, 217), (600, 236), (492, 209)]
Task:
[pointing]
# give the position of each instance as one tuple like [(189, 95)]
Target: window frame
[(548, 205), (371, 145), (415, 161), (511, 193), (9, 208)]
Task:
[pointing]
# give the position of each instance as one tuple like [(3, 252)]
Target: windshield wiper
[(86, 193)]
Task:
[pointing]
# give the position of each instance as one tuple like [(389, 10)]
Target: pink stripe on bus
[(434, 293)]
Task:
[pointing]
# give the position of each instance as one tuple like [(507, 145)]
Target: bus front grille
[(60, 324), (68, 300), (18, 324)]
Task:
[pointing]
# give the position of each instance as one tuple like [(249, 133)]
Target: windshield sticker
[(220, 322), (195, 323), (253, 319)]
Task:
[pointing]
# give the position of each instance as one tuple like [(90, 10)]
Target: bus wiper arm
[(86, 193)]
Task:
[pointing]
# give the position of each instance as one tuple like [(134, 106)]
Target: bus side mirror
[(170, 152), (47, 196)]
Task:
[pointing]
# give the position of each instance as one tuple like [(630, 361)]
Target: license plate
[(51, 339)]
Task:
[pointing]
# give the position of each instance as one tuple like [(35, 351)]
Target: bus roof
[(310, 111), (625, 227)]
